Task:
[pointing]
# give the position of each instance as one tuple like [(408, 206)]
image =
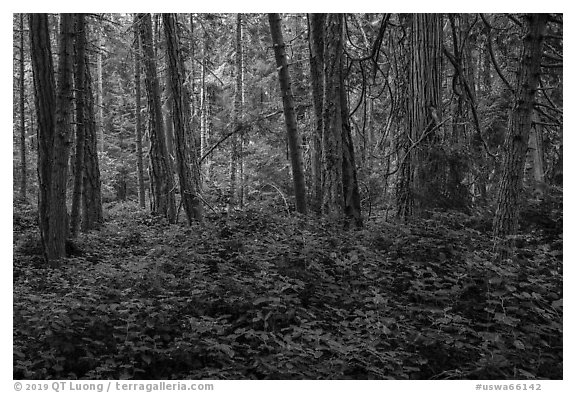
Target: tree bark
[(61, 150), (534, 172), (79, 75), (351, 193), (189, 178), (23, 162), (92, 215), (139, 155), (204, 106), (520, 121), (162, 177), (422, 184), (463, 87), (45, 103), (168, 124), (194, 96), (294, 141), (332, 119), (340, 189), (237, 116), (316, 44), (100, 100)]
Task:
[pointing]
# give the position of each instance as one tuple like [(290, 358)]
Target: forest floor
[(268, 296)]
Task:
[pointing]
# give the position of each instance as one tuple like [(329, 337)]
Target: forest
[(288, 196)]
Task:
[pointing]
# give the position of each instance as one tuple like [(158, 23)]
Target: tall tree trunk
[(160, 44), (242, 139), (403, 192), (45, 103), (92, 215), (350, 189), (463, 87), (194, 96), (339, 184), (189, 179), (79, 75), (520, 121), (204, 105), (294, 141), (316, 44), (61, 151), (100, 100), (237, 116), (139, 155), (332, 119), (422, 185), (23, 168), (162, 176)]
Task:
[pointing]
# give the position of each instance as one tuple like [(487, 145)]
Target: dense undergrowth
[(257, 295)]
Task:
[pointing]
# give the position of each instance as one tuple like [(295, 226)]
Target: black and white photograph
[(286, 196)]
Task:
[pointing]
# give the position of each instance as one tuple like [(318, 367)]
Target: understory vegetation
[(265, 295)]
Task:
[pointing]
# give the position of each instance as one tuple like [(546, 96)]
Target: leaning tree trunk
[(162, 175), (189, 179), (79, 75), (316, 44), (294, 141), (45, 103), (520, 121)]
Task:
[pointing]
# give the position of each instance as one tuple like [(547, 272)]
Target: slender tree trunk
[(237, 116), (189, 179), (316, 44), (463, 85), (79, 75), (45, 103), (100, 101), (92, 215), (520, 121), (294, 141), (350, 189), (139, 155), (204, 131), (162, 176), (23, 167), (242, 140), (194, 96), (403, 192)]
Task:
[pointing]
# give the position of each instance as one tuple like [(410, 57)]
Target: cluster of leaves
[(254, 295)]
